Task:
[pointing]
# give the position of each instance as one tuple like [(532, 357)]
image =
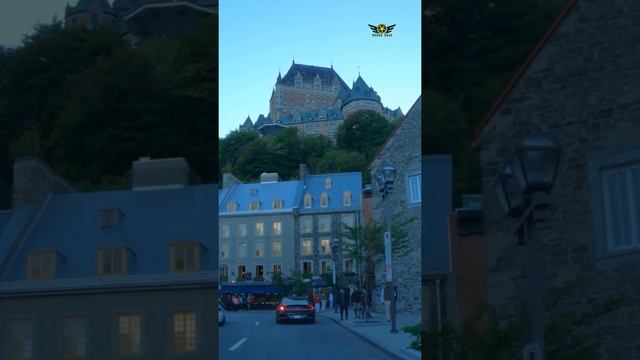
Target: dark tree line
[(88, 103), (246, 154), (472, 49)]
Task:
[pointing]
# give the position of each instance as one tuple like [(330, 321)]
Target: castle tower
[(361, 97), (91, 14)]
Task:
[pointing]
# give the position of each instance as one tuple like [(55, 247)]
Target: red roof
[(523, 68)]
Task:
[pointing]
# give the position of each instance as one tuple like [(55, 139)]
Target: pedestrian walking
[(355, 302), (317, 302), (344, 304), (236, 303), (323, 302), (363, 304), (330, 300), (387, 296), (336, 300)]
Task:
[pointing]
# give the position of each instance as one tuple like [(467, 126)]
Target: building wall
[(289, 99), (287, 240), (582, 91), (403, 151), (358, 105), (156, 308)]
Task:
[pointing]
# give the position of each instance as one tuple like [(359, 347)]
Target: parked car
[(221, 316), (295, 309)]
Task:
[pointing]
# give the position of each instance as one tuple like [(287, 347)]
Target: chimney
[(33, 181), (269, 177), (303, 172), (228, 180), (153, 174)]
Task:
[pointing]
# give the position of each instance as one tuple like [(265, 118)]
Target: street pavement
[(255, 335), (376, 331)]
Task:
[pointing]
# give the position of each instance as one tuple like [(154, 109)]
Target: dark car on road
[(295, 309)]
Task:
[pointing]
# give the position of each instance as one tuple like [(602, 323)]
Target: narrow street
[(255, 335)]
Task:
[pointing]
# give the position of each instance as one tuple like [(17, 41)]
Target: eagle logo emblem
[(381, 29)]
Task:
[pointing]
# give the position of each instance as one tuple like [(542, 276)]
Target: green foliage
[(563, 337), (416, 332), (298, 287), (89, 104), (472, 50), (364, 132)]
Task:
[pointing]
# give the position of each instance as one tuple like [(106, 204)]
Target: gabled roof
[(522, 70), (83, 6), (69, 224), (261, 121), (415, 113), (341, 182), (309, 73)]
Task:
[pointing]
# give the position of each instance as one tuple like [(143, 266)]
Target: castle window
[(346, 199), (307, 201), (324, 200), (184, 332), (109, 218), (327, 183)]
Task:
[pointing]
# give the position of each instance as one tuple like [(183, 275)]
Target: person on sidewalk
[(344, 304), (329, 300), (387, 296), (323, 302), (363, 305), (316, 300), (355, 302)]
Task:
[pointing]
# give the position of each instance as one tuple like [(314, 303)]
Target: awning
[(252, 288)]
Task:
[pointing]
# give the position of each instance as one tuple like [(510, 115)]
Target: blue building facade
[(107, 275)]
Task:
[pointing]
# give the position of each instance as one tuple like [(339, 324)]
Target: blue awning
[(252, 288)]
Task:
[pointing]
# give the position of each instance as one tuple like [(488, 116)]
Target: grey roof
[(310, 116), (362, 91), (309, 73), (83, 6), (261, 121)]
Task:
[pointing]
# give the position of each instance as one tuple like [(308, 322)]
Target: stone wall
[(403, 151), (582, 91)]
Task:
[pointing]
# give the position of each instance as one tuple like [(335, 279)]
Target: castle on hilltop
[(140, 20), (316, 100)]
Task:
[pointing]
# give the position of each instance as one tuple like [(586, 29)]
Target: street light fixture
[(385, 181), (521, 190)]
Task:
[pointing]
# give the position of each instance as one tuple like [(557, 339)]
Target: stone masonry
[(582, 91), (403, 151)]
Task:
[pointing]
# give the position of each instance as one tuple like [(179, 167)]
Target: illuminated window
[(112, 261), (184, 332), (307, 201), (306, 247), (254, 205), (324, 200), (326, 266), (325, 246), (41, 265), (129, 338), (242, 230), (346, 199), (327, 183), (276, 249), (185, 257), (277, 269), (277, 228), (259, 229), (277, 204), (20, 340), (74, 337), (231, 206), (259, 249)]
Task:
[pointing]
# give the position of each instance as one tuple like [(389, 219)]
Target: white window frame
[(276, 251), (259, 249), (303, 251), (259, 228), (324, 200), (321, 220), (631, 206), (414, 188), (276, 228), (224, 250), (225, 231)]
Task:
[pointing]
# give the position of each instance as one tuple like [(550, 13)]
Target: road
[(255, 335)]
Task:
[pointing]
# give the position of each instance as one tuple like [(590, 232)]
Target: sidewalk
[(377, 332)]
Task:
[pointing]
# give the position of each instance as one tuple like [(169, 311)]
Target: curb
[(366, 339)]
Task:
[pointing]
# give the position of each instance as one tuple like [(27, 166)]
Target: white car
[(221, 318)]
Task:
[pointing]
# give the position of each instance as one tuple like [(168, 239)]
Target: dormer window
[(327, 183), (185, 257), (298, 80), (110, 218), (231, 207), (254, 205), (112, 261), (307, 201), (41, 265), (324, 200), (346, 198), (277, 204)]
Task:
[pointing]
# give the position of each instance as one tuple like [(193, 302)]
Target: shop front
[(250, 296)]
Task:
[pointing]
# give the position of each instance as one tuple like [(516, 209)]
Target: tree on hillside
[(337, 160), (363, 131)]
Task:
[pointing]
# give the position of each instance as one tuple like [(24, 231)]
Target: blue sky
[(17, 17), (258, 38)]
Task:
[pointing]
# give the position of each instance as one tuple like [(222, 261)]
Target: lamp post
[(384, 181), (334, 250), (522, 189)]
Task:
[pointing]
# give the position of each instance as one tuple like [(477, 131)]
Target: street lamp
[(334, 250), (385, 181), (522, 189)]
